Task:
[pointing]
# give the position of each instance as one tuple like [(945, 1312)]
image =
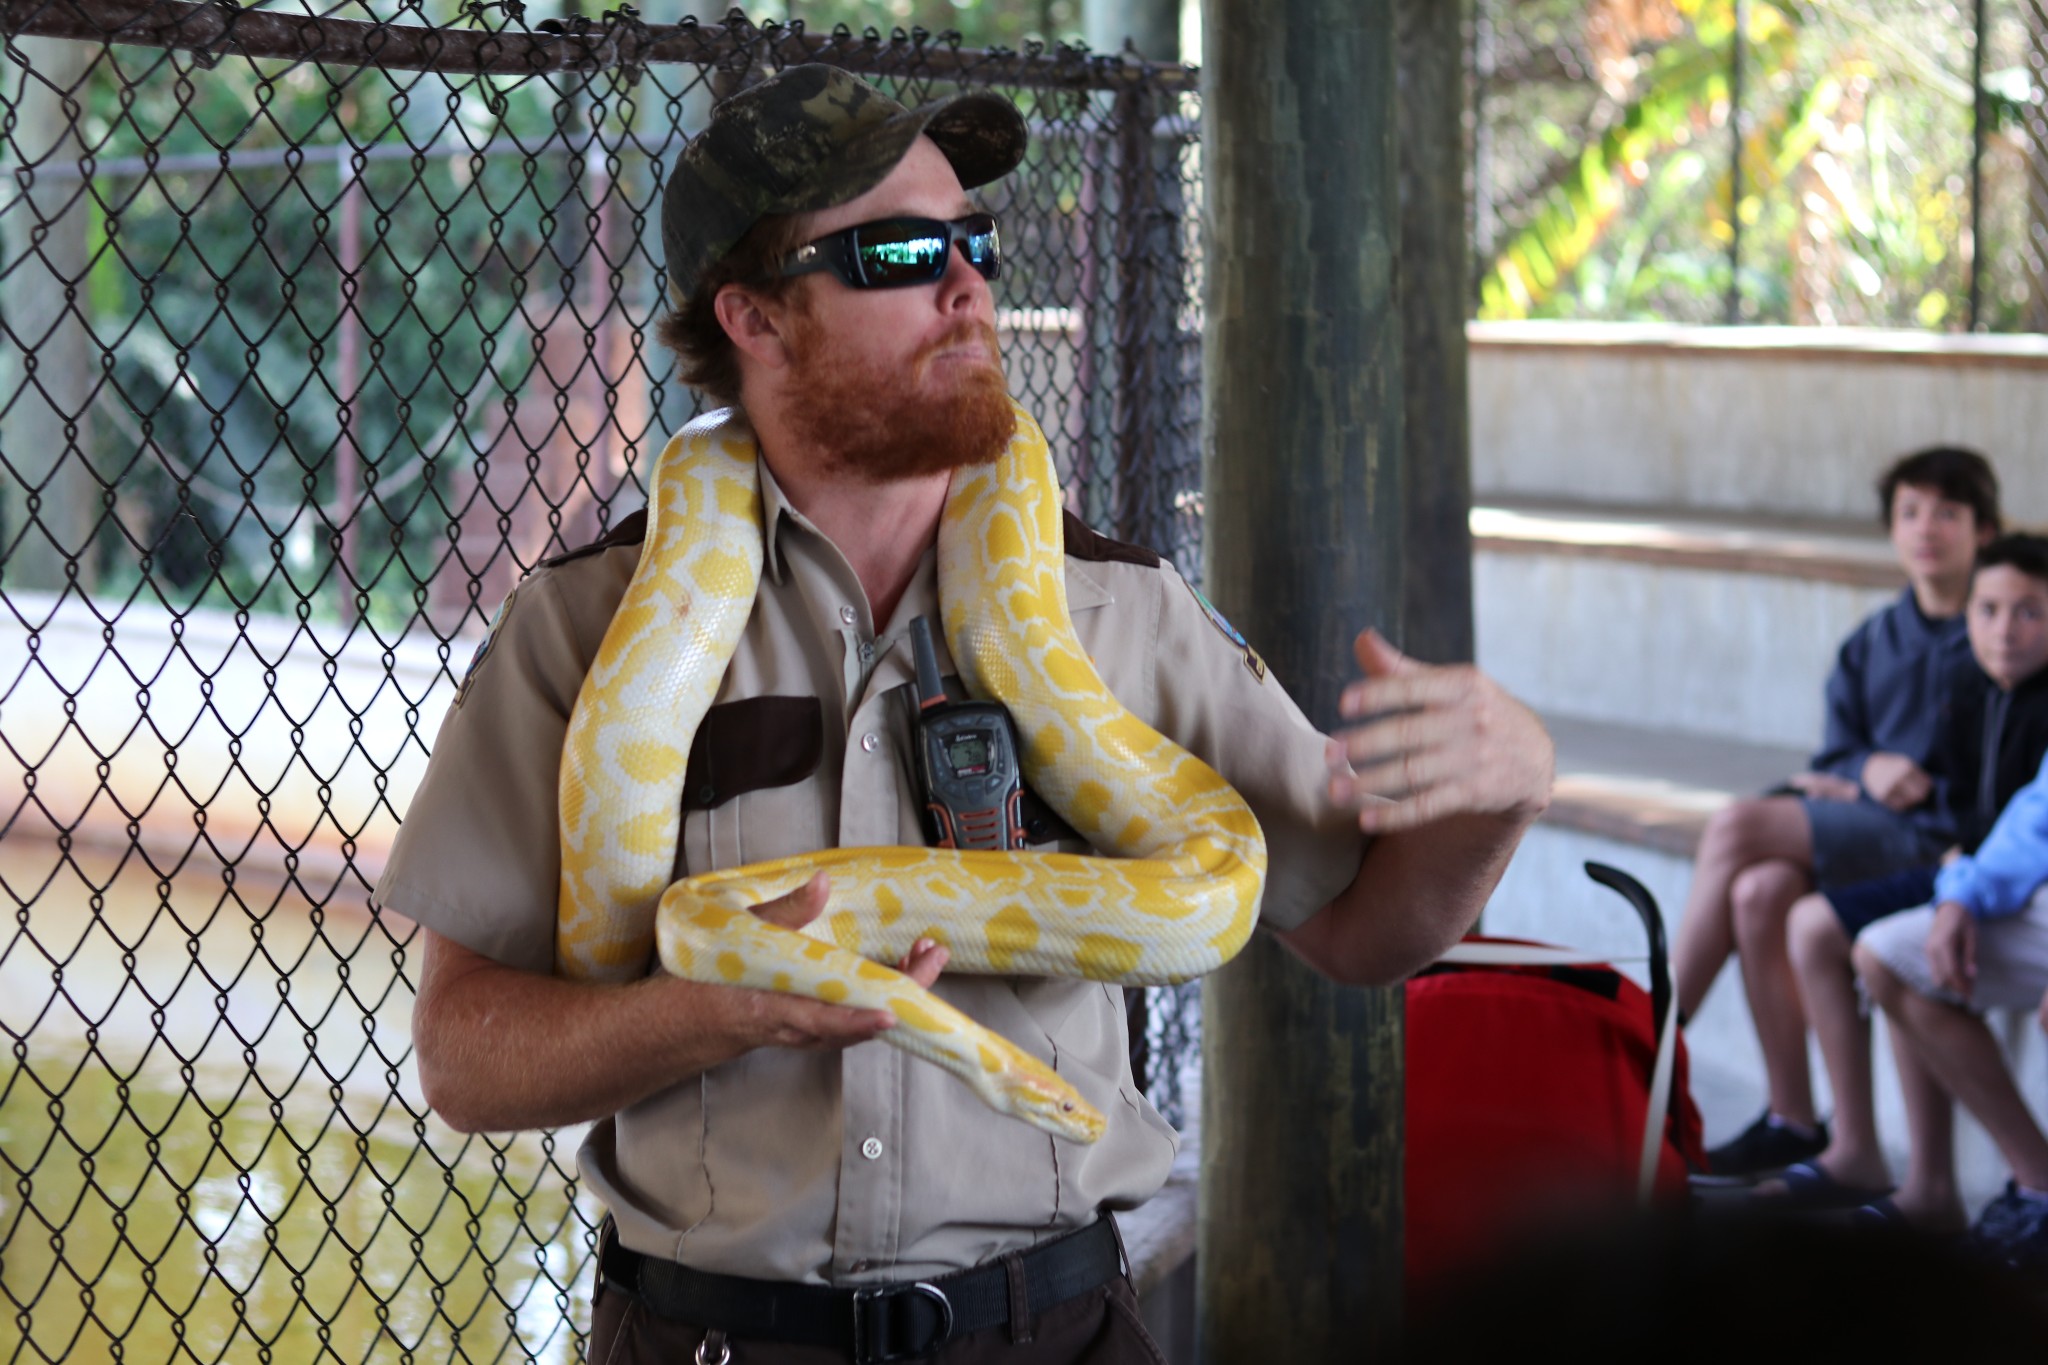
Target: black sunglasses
[(892, 252)]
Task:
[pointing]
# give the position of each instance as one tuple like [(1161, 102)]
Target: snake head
[(1042, 1099)]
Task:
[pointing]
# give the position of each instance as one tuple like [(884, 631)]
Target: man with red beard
[(780, 1187)]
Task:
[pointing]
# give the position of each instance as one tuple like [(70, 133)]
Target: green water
[(210, 1150)]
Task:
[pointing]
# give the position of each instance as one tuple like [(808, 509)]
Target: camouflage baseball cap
[(805, 139)]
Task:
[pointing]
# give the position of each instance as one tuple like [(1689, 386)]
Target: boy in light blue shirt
[(1982, 945)]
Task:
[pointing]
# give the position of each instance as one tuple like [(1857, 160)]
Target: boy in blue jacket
[(1982, 945), (1869, 805)]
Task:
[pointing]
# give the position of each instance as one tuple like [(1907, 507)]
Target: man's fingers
[(1390, 737), (924, 962), (1422, 808), (1379, 659), (800, 906), (798, 1022), (1407, 691), (1398, 776)]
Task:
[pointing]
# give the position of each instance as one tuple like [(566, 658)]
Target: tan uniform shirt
[(862, 1165)]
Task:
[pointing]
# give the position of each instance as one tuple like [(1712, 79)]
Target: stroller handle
[(1638, 896)]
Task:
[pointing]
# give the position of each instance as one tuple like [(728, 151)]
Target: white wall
[(1750, 419)]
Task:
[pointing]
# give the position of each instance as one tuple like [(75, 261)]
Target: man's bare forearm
[(502, 1049), (1416, 893)]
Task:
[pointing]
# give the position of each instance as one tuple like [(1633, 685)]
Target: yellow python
[(1179, 899)]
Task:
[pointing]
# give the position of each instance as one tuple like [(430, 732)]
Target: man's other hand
[(1895, 781), (1435, 741), (775, 1019)]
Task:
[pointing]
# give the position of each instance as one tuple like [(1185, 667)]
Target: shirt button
[(848, 615), (867, 650), (871, 1149), (862, 1267), (870, 741)]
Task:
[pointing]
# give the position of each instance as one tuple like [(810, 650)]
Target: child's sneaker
[(1770, 1144), (2013, 1229)]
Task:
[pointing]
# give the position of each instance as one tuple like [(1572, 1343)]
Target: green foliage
[(1854, 148), (232, 313), (324, 294)]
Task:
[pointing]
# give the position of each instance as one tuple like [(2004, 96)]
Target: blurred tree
[(1608, 177)]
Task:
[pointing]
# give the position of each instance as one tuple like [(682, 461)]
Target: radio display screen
[(968, 755)]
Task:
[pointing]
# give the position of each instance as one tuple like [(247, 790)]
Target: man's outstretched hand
[(1434, 741)]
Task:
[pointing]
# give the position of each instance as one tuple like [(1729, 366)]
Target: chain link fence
[(316, 331), (1875, 163)]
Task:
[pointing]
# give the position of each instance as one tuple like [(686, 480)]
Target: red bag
[(1527, 1089)]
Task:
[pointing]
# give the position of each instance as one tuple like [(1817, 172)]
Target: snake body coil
[(1178, 899)]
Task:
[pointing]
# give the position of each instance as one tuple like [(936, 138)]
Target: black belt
[(880, 1322)]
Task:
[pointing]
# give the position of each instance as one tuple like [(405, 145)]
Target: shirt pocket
[(759, 744)]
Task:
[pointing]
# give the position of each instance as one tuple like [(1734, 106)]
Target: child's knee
[(1745, 830), (1882, 984), (1814, 935), (1759, 898)]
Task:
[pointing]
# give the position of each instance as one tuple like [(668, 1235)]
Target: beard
[(875, 422)]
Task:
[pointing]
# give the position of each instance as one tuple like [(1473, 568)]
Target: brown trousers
[(1100, 1327)]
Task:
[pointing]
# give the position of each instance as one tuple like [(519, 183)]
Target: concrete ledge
[(1654, 789), (1853, 553), (1977, 350), (1747, 419)]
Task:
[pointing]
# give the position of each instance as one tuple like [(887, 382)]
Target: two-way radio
[(967, 759)]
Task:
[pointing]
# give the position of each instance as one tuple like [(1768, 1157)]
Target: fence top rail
[(212, 29)]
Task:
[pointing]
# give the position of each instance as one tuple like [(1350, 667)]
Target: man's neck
[(882, 529)]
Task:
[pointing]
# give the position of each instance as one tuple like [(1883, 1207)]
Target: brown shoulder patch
[(1086, 543), (631, 531)]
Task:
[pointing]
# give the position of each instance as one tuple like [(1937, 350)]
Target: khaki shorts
[(2012, 955)]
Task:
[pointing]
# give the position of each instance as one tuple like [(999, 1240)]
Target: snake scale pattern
[(1178, 897)]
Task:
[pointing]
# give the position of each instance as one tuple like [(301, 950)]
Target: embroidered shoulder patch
[(1230, 633), (483, 648)]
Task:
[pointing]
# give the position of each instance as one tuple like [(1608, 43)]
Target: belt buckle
[(871, 1328)]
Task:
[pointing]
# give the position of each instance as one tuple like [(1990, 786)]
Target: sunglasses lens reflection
[(903, 253), (984, 248), (914, 251)]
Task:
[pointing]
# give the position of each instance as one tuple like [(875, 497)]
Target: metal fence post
[(2034, 153), (1979, 115), (1737, 41), (1131, 118)]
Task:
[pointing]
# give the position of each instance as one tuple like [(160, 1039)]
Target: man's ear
[(755, 326)]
